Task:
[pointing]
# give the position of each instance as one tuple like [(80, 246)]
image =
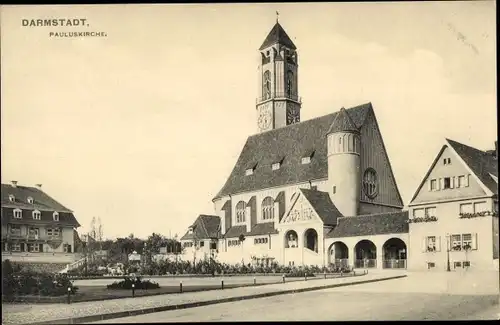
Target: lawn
[(101, 292)]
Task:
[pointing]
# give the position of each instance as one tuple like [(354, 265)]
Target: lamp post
[(448, 268)]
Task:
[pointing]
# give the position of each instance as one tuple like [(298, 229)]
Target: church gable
[(374, 157), (300, 211), (448, 178)]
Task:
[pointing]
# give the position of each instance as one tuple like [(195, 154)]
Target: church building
[(312, 192)]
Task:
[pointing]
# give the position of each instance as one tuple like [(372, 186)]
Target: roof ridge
[(376, 214)]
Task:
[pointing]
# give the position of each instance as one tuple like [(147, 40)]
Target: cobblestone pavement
[(420, 296), (14, 314)]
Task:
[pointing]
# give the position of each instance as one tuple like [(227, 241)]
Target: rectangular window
[(18, 214), (16, 247), (431, 243), (431, 265), (458, 264), (480, 207), (306, 160), (430, 212), (447, 183), (461, 181), (213, 245), (202, 243), (466, 208), (466, 264), (433, 185), (276, 166), (33, 248), (456, 242), (15, 230), (467, 240), (418, 213)]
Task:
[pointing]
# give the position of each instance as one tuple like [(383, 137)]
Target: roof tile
[(371, 224)]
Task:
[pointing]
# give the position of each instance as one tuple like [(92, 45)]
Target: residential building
[(319, 191), (35, 227), (454, 212)]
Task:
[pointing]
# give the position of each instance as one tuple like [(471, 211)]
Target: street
[(417, 297)]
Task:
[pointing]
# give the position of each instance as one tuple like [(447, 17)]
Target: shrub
[(126, 284)]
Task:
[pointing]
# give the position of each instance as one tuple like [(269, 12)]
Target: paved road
[(417, 297)]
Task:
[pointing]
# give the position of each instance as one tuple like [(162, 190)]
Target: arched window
[(340, 144), (37, 215), (289, 83), (266, 84), (346, 142), (56, 216), (370, 183), (268, 208), (240, 212)]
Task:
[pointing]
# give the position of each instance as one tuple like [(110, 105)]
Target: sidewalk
[(94, 311)]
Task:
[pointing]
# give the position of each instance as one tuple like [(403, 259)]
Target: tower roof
[(277, 35), (342, 123)]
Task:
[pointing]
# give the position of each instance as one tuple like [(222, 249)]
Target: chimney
[(39, 186), (14, 183)]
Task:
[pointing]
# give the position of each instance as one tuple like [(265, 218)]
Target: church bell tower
[(278, 104)]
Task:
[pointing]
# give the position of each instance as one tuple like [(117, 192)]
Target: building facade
[(454, 212), (35, 227), (300, 188)]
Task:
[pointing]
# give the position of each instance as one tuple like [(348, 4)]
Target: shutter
[(466, 180), (23, 248), (40, 247), (438, 243), (452, 181), (474, 241), (424, 244), (430, 182), (441, 184)]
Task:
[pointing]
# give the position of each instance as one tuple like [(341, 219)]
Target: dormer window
[(18, 214), (56, 216), (306, 160), (12, 198), (30, 200), (276, 166), (37, 215), (249, 171)]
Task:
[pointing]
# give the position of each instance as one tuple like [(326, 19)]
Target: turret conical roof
[(342, 123), (277, 35)]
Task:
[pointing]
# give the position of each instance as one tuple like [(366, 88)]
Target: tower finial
[(277, 16)]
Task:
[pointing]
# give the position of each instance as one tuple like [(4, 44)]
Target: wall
[(368, 208), (373, 154), (449, 222), (261, 195), (40, 257)]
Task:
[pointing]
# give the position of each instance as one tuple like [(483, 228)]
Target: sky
[(142, 127)]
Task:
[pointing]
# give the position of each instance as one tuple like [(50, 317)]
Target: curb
[(120, 314)]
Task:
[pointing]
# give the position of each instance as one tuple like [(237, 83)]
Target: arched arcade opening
[(365, 254), (394, 254), (338, 254), (311, 240)]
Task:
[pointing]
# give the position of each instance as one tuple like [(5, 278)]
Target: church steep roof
[(292, 142), (342, 123), (277, 35)]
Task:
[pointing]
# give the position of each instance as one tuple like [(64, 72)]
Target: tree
[(242, 239)]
